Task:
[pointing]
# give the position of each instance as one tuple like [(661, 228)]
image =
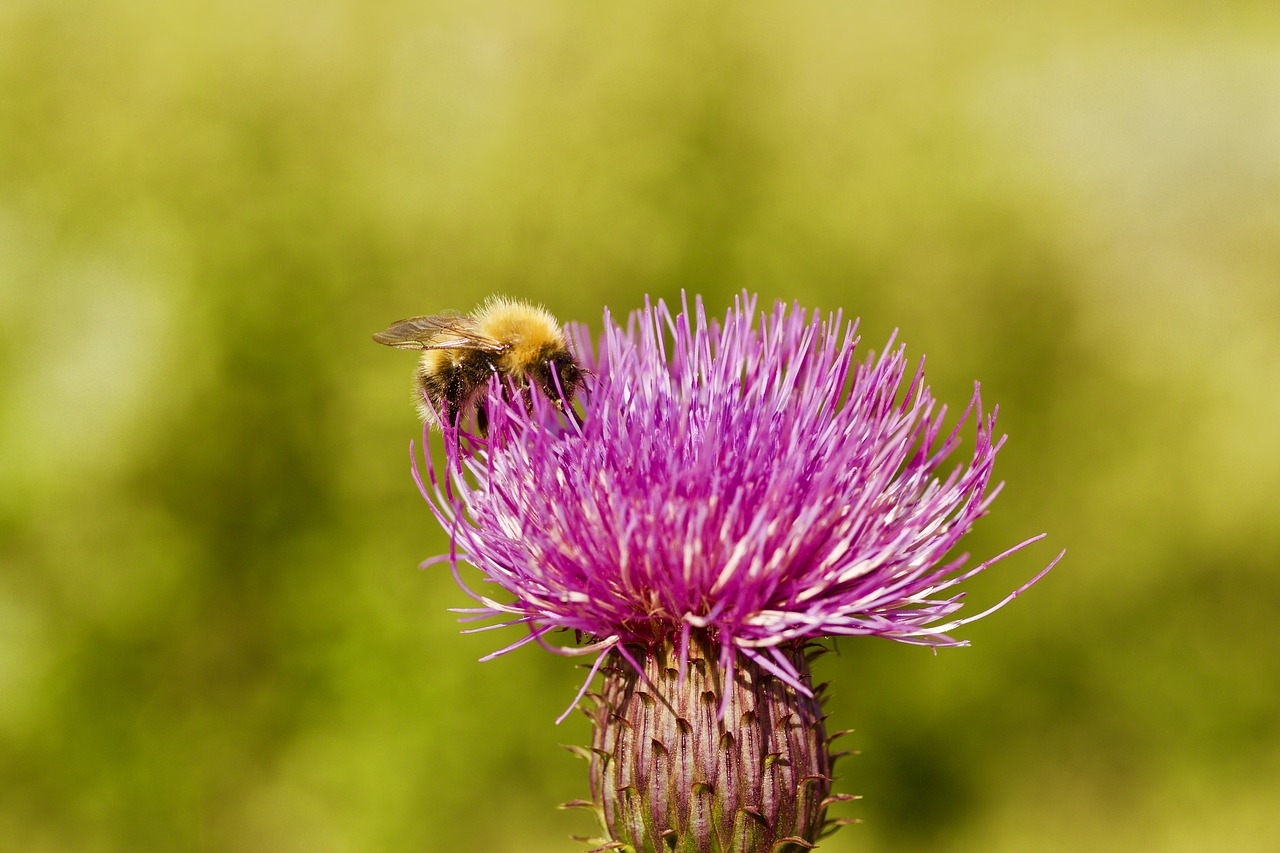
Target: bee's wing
[(437, 331)]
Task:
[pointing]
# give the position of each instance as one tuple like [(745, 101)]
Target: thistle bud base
[(671, 772)]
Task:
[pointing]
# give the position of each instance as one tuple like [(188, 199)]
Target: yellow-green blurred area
[(213, 634)]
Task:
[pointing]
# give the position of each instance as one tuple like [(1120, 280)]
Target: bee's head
[(558, 377)]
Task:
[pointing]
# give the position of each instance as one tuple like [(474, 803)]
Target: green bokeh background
[(213, 635)]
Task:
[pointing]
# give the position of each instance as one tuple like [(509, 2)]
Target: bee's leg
[(482, 420), (454, 398), (566, 408), (454, 403)]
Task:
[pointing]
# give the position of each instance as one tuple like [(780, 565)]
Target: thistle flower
[(733, 492)]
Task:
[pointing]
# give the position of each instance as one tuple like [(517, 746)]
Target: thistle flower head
[(748, 477)]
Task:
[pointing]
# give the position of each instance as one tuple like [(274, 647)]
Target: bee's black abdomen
[(454, 386)]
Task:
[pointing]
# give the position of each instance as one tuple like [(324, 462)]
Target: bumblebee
[(505, 337)]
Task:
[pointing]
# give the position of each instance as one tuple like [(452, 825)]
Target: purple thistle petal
[(747, 477)]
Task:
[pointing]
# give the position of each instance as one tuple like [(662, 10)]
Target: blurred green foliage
[(212, 633)]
